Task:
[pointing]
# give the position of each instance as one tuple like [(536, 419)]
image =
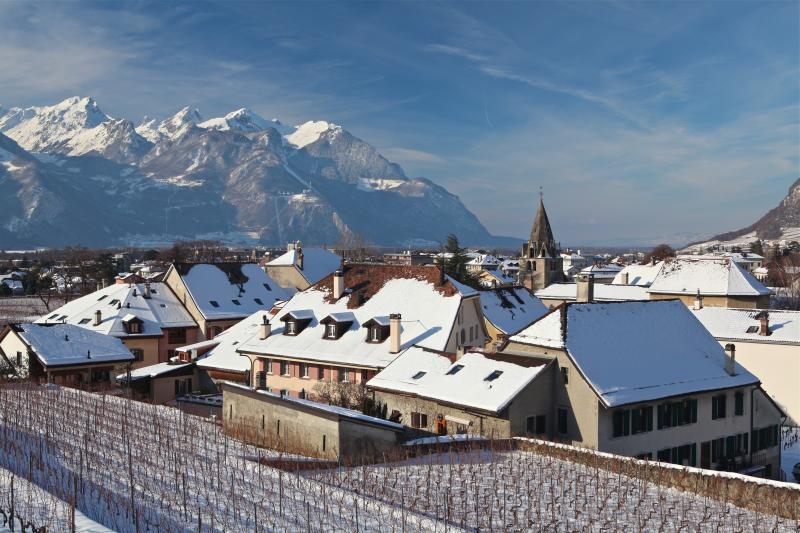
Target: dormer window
[(291, 327), (336, 324), (330, 331), (296, 321), (419, 374), (377, 329), (132, 324), (375, 334)]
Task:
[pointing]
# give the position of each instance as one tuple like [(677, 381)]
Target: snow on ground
[(790, 454)]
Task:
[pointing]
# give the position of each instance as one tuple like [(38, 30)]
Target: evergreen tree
[(455, 261)]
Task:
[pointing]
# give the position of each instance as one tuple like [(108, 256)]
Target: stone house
[(645, 379)]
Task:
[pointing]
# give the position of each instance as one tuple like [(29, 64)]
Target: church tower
[(540, 262)]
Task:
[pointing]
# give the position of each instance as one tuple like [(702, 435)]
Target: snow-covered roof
[(154, 371), (602, 292), (224, 355), (641, 275), (485, 260), (67, 344), (633, 352), (602, 271), (317, 262), (742, 324), (118, 301), (332, 409), (428, 313), (492, 278), (230, 290), (511, 309), (473, 381), (711, 276)]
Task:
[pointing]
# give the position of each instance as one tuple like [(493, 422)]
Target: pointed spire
[(542, 242)]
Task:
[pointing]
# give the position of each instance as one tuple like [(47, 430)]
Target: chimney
[(135, 292), (66, 338), (266, 329), (338, 284), (105, 283), (698, 301), (730, 361), (290, 247), (300, 259), (146, 289), (624, 278), (394, 333), (585, 288), (88, 354), (763, 329), (99, 286), (98, 317)]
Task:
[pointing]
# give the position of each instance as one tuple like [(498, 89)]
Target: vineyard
[(134, 467)]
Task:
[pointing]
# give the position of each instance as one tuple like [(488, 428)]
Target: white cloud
[(408, 155)]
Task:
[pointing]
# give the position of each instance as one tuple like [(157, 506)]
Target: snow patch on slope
[(310, 132)]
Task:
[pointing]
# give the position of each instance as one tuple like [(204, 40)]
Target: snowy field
[(136, 467)]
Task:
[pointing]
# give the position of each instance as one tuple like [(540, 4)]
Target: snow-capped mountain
[(238, 177)]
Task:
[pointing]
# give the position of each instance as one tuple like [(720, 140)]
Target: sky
[(641, 122)]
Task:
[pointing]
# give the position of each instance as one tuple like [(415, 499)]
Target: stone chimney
[(624, 278), (146, 289), (730, 361), (584, 288), (338, 284), (698, 301), (394, 333), (265, 330), (763, 328), (98, 317)]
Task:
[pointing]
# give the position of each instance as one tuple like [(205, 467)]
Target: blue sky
[(642, 121)]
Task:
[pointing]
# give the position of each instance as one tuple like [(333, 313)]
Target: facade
[(767, 343), (146, 317), (163, 382), (301, 426), (62, 353), (219, 295), (353, 323), (721, 282), (472, 394), (299, 267), (540, 262), (645, 379), (507, 310)]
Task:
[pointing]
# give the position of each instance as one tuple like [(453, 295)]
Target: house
[(507, 310), (494, 278), (472, 394), (602, 273), (219, 295), (720, 281), (638, 274), (305, 427), (299, 267), (559, 293), (356, 321), (147, 317), (483, 262), (645, 379), (162, 382), (767, 343), (65, 354), (574, 262)]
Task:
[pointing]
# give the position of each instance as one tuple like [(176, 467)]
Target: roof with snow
[(371, 291), (494, 278), (641, 275), (118, 301), (742, 324), (317, 262), (511, 309), (155, 371), (230, 290), (632, 352), (67, 344), (224, 355), (473, 381), (602, 271), (485, 260), (711, 276), (602, 292)]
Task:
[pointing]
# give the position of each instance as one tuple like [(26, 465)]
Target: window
[(19, 358), (419, 420), (680, 413), (738, 407), (85, 321), (646, 456), (268, 365), (284, 368), (330, 331), (765, 438), (680, 455), (266, 286), (562, 421), (134, 327), (621, 420), (717, 450), (304, 370), (261, 380), (342, 375), (494, 375), (718, 406), (324, 440), (375, 334), (565, 375), (138, 354), (541, 424), (176, 336), (454, 370), (641, 419), (214, 303), (418, 374), (530, 425), (113, 302), (51, 317), (752, 329), (291, 327), (236, 302), (101, 298), (258, 301), (463, 336)]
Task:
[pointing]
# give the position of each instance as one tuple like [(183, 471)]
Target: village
[(663, 358)]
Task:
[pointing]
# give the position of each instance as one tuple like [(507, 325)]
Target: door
[(705, 455)]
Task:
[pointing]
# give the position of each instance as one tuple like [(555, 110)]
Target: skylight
[(103, 296), (236, 302), (454, 370), (418, 374), (752, 329), (85, 321), (258, 301), (214, 303), (113, 302), (494, 375), (266, 286)]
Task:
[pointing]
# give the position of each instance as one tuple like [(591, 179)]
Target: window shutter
[(626, 422), (660, 416), (693, 452), (649, 411), (694, 410)]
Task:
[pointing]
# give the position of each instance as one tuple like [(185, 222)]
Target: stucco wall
[(148, 345), (11, 344), (747, 302), (175, 283), (287, 276)]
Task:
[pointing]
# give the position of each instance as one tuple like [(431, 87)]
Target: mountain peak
[(311, 131), (243, 119)]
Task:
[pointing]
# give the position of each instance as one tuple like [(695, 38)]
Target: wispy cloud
[(409, 155)]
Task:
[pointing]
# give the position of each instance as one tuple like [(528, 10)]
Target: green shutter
[(660, 416), (649, 417), (730, 445), (744, 442), (693, 404), (693, 454), (626, 422)]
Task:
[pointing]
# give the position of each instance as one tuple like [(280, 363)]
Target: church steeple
[(542, 243)]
